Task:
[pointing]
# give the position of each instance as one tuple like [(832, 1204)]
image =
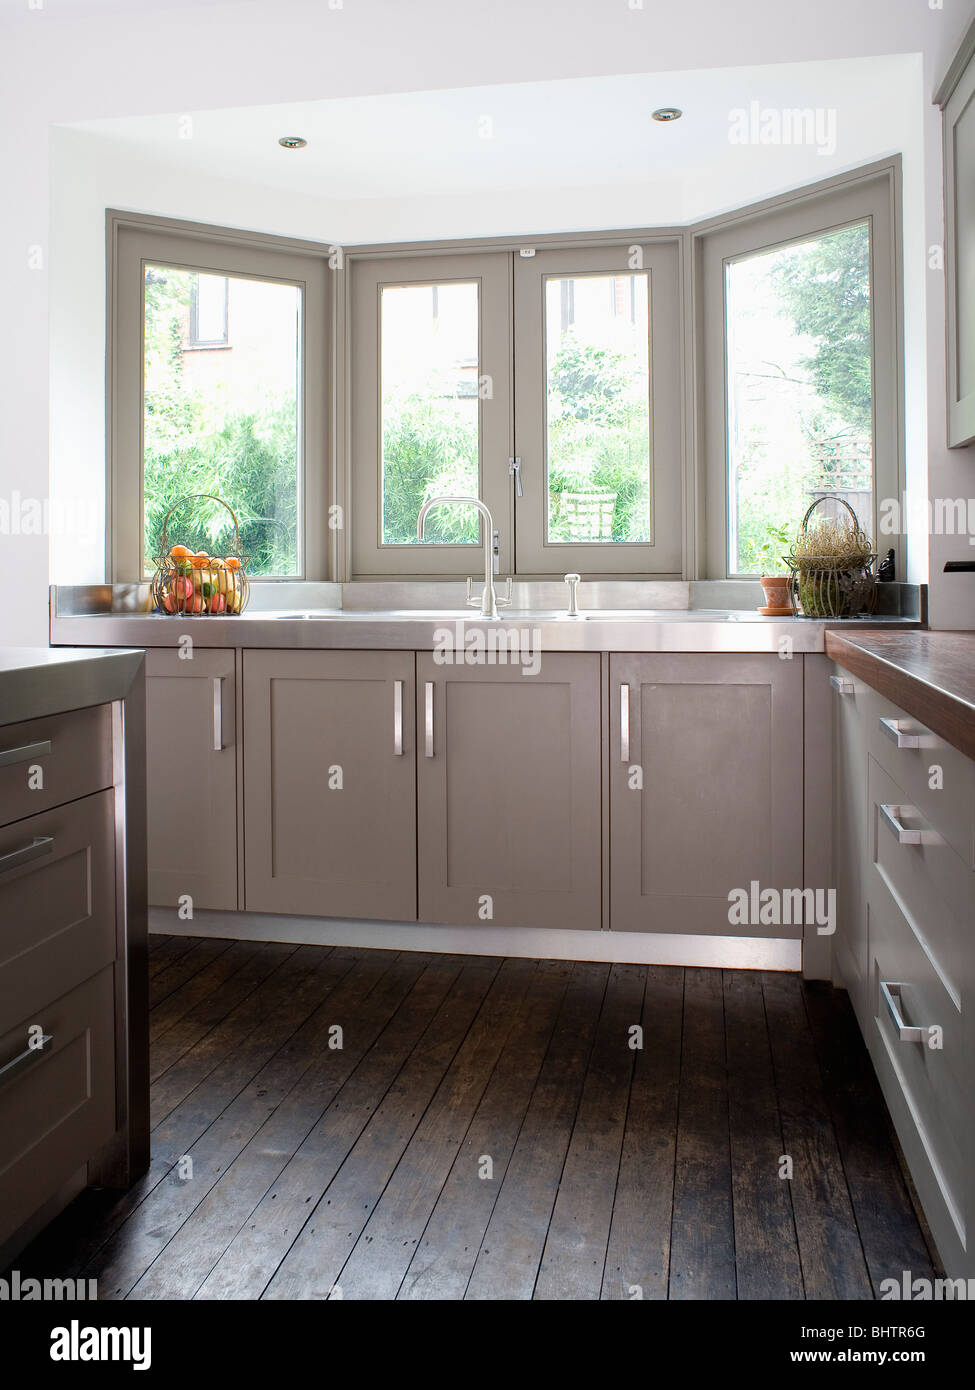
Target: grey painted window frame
[(701, 483), (956, 97), (132, 241), (872, 194)]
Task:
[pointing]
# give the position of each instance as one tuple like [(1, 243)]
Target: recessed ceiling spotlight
[(292, 142), (667, 113)]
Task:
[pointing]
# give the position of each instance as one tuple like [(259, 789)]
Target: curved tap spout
[(489, 599)]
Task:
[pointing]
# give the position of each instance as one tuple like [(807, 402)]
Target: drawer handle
[(38, 847), (624, 723), (398, 718), (890, 992), (218, 714), (7, 1071), (892, 815), (25, 754), (428, 722), (841, 685), (892, 728)]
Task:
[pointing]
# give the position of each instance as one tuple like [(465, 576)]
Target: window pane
[(223, 419), (597, 335), (430, 419), (800, 388)]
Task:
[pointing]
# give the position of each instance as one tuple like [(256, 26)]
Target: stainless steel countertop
[(664, 630), (38, 681)]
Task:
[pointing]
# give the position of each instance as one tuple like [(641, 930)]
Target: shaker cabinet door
[(192, 778), (330, 772), (705, 790), (508, 790)]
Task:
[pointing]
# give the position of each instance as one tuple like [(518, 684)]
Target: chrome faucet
[(489, 600)]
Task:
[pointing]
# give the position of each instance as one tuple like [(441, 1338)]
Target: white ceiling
[(576, 136)]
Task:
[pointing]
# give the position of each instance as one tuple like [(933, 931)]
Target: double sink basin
[(616, 615)]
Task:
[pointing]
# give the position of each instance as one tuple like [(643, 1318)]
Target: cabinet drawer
[(57, 903), (950, 808), (935, 890), (73, 752), (57, 1104), (924, 1084)]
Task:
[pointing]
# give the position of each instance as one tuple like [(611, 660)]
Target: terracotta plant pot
[(778, 595)]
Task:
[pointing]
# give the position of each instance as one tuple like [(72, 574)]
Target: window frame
[(661, 557), (371, 557), (871, 196), (196, 343), (135, 241)]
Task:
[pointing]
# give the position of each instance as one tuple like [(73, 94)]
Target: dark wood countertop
[(931, 675)]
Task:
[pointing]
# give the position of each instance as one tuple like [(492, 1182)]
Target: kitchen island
[(73, 950)]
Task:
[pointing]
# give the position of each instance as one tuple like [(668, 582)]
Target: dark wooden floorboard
[(638, 1254), (312, 1265), (766, 1248), (833, 1264), (889, 1232), (578, 1234), (511, 1251), (490, 1129), (702, 1246), (249, 1263), (445, 1254)]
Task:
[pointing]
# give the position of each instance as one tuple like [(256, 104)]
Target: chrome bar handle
[(218, 714), (28, 1054), (624, 723), (905, 1031), (398, 718), (892, 728), (38, 847), (842, 686), (25, 754), (892, 815), (428, 719)]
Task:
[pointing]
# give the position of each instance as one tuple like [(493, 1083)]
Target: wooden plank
[(156, 939), (171, 950), (312, 1265), (178, 1004), (891, 1237), (376, 1267), (575, 1249), (702, 1256), (511, 1251), (638, 1254), (168, 981), (362, 1010), (269, 1000), (211, 1011), (766, 1249), (833, 1264), (250, 1260), (445, 1254), (216, 1121)]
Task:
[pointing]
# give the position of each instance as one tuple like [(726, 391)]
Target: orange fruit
[(200, 560), (178, 552), (232, 562)]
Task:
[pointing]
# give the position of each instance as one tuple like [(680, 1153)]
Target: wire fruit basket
[(192, 583), (840, 584)]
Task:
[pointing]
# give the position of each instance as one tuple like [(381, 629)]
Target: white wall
[(143, 57)]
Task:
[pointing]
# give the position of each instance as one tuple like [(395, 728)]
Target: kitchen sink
[(592, 615)]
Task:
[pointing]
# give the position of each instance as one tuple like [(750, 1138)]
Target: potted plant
[(832, 564), (775, 578)]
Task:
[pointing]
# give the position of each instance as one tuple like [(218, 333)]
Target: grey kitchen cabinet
[(73, 1008), (849, 754), (508, 793), (957, 99), (192, 778), (330, 777), (904, 856), (706, 780)]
